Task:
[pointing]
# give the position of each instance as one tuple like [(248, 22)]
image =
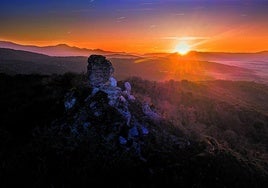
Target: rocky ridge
[(108, 102)]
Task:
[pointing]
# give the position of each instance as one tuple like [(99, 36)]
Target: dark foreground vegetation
[(224, 124)]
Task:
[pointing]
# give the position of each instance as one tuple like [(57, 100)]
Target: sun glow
[(182, 48)]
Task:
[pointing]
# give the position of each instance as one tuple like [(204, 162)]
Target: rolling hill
[(204, 139), (152, 68), (57, 50)]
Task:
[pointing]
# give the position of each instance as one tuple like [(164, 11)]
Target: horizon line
[(94, 49)]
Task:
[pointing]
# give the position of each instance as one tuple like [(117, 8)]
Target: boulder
[(127, 92), (128, 87), (149, 112), (99, 70), (70, 100), (113, 82), (113, 94)]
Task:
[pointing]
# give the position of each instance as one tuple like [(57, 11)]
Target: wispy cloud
[(198, 8), (82, 10), (179, 14), (147, 3), (135, 10), (190, 38), (120, 19)]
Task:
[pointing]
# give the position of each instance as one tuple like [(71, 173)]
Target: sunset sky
[(138, 25)]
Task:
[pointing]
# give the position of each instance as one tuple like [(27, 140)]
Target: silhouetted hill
[(224, 56), (57, 50), (150, 68), (204, 139), (212, 56), (23, 62), (177, 68), (66, 50)]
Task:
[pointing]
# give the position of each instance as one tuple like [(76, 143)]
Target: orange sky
[(139, 26)]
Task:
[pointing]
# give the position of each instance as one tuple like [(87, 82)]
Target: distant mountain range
[(215, 56), (64, 50), (60, 50), (59, 59), (24, 62)]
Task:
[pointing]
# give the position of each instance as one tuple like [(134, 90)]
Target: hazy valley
[(195, 66)]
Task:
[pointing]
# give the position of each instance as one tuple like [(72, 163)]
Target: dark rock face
[(99, 70)]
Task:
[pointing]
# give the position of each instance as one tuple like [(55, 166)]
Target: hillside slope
[(177, 151), (157, 69)]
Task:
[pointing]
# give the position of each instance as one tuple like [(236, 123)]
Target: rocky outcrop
[(111, 112), (107, 108), (99, 70)]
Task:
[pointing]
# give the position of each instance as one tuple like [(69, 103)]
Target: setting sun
[(182, 48)]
